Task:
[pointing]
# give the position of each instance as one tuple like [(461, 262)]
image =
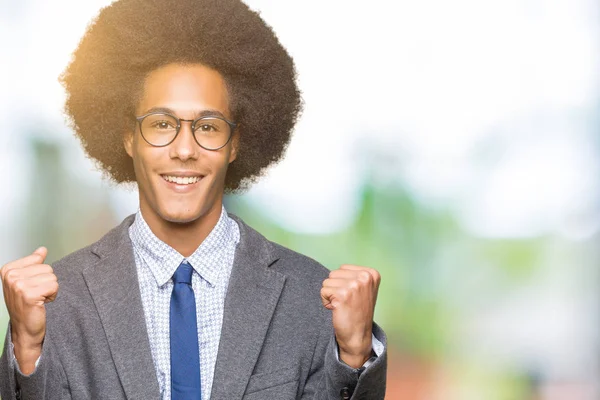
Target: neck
[(184, 237)]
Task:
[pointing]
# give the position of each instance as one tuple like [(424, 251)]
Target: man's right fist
[(28, 285)]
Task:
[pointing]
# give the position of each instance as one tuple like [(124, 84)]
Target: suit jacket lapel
[(113, 285), (252, 296)]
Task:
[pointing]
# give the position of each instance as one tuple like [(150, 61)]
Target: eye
[(163, 124), (207, 128)]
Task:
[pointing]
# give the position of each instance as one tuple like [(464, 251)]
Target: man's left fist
[(351, 293)]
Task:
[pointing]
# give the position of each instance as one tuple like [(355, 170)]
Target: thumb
[(327, 298), (42, 252)]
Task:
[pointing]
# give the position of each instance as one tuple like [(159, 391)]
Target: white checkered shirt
[(156, 263)]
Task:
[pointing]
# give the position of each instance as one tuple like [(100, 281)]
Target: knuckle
[(19, 286), (343, 293), (365, 277), (377, 276), (11, 276)]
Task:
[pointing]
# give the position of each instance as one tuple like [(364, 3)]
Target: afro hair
[(131, 38)]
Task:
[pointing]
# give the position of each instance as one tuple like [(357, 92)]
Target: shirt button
[(345, 393)]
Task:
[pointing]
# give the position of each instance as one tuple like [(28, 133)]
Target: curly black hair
[(130, 38)]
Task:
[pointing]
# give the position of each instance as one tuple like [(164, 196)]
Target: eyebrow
[(197, 114)]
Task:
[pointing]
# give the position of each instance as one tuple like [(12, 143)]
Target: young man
[(189, 99)]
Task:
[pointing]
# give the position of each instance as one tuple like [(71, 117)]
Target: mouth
[(182, 180)]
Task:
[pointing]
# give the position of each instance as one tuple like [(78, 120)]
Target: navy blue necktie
[(185, 354)]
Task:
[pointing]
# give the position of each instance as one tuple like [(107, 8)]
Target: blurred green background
[(452, 146)]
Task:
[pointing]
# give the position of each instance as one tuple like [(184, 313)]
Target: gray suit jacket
[(276, 342)]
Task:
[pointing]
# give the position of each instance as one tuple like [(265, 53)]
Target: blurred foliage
[(65, 213)]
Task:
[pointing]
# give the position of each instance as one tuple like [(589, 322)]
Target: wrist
[(27, 350), (26, 358), (356, 360), (356, 349), (26, 341)]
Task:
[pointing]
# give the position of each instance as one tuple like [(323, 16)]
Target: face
[(186, 91)]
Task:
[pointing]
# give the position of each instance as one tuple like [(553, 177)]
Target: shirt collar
[(163, 260)]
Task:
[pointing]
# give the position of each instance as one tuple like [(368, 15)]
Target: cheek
[(223, 167), (143, 159), (217, 161)]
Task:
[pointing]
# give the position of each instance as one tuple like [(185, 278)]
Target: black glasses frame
[(232, 126)]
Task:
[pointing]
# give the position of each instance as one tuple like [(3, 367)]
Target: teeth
[(182, 180)]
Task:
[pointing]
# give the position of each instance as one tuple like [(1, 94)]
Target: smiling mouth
[(182, 180)]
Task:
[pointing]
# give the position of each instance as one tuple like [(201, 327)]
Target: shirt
[(156, 263)]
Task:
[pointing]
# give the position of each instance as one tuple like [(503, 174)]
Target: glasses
[(161, 129)]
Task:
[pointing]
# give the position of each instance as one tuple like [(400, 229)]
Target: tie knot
[(183, 274)]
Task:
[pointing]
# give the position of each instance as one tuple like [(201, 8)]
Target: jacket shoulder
[(296, 263), (298, 268)]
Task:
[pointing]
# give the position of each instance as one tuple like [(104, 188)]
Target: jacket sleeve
[(329, 378), (47, 381)]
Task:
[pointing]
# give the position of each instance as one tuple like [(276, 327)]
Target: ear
[(128, 143), (235, 142)]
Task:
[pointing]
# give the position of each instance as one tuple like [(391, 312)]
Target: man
[(189, 99)]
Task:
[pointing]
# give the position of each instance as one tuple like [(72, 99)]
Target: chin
[(184, 214), (181, 218)]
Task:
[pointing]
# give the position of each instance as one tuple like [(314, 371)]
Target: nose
[(184, 146)]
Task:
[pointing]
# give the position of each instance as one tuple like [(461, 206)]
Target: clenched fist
[(351, 293), (28, 285)]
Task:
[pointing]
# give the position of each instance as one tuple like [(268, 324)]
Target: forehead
[(186, 89)]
